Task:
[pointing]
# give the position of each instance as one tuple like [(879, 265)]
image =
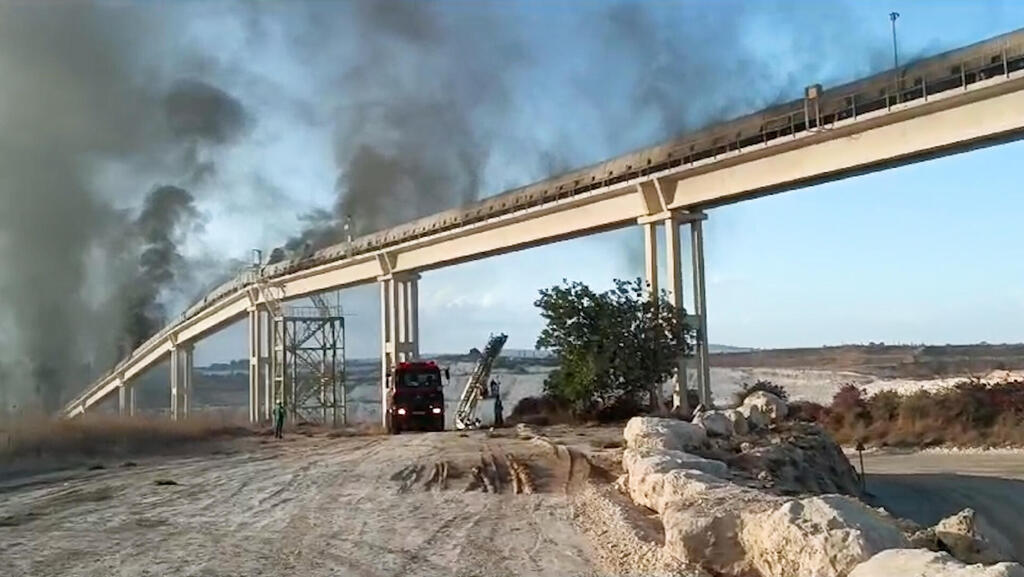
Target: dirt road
[(926, 487), (305, 506)]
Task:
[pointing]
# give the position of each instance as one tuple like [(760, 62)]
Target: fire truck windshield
[(419, 379)]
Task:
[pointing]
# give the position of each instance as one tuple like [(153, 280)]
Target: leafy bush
[(759, 385), (615, 344)]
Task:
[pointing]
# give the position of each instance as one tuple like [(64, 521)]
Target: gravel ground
[(304, 506), (926, 487)]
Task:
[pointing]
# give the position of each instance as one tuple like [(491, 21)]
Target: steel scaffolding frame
[(308, 363)]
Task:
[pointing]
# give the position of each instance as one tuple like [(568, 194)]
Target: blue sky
[(926, 253)]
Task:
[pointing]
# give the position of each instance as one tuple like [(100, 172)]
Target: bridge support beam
[(181, 382), (125, 398), (255, 362), (674, 279), (186, 379), (651, 257), (697, 318), (651, 277), (701, 310), (175, 381), (399, 327)]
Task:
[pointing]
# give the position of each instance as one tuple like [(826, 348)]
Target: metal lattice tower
[(308, 362)]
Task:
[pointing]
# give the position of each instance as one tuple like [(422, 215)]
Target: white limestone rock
[(924, 563), (659, 433), (703, 515), (824, 536), (647, 469), (772, 406), (969, 538)]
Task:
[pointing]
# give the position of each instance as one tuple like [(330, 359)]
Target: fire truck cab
[(415, 397)]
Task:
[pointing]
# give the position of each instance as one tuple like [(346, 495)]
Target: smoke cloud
[(423, 96), (201, 115), (429, 105), (83, 91), (165, 214)]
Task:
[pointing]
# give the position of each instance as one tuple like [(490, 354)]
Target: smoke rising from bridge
[(424, 101), (165, 217)]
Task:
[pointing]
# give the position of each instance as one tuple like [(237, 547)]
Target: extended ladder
[(475, 390)]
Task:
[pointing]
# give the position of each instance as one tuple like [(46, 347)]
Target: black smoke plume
[(423, 94), (165, 217), (82, 92)]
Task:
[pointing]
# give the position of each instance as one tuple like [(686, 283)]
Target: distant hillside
[(891, 361)]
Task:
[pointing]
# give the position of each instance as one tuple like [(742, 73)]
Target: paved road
[(926, 487)]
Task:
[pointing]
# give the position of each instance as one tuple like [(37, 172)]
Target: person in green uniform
[(279, 420)]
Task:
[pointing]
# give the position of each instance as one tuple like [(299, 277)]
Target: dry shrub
[(93, 436), (541, 411), (808, 411), (971, 413)]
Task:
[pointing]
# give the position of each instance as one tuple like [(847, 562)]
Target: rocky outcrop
[(723, 527), (668, 434), (739, 422), (924, 563), (798, 458), (972, 540), (755, 417), (769, 405), (823, 536)]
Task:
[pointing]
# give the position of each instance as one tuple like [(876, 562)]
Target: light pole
[(895, 55)]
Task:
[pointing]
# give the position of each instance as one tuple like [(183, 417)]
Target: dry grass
[(96, 436), (971, 414)]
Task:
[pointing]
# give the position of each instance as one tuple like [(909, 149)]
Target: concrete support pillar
[(394, 320), (399, 323), (175, 381), (186, 379), (408, 342), (414, 316), (651, 276), (385, 346), (700, 304), (674, 278), (651, 257), (255, 342), (125, 398)]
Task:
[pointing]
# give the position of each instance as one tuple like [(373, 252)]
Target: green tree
[(613, 344)]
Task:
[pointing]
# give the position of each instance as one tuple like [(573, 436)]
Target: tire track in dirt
[(318, 507)]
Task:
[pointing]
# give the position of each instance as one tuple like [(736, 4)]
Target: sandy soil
[(926, 487), (303, 506)]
